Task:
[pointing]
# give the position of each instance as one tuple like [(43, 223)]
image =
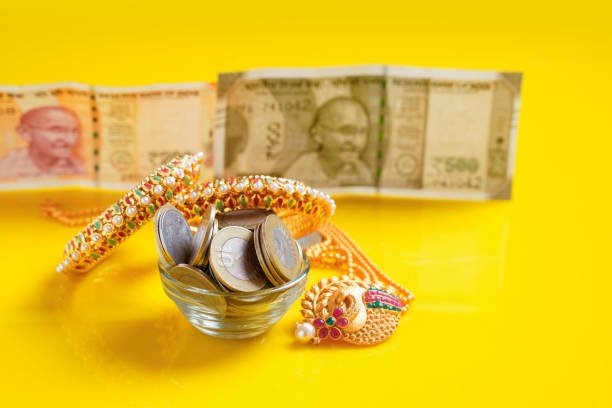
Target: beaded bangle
[(175, 182)]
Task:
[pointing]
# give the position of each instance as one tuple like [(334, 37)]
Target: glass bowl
[(234, 315)]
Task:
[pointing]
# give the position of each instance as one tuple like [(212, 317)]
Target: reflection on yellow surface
[(485, 321)]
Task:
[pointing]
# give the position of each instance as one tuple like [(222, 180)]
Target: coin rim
[(235, 213), (157, 222), (260, 251), (170, 208), (198, 253), (201, 274), (221, 304), (267, 232)]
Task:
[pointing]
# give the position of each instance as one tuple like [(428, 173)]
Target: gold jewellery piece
[(175, 182), (363, 306)]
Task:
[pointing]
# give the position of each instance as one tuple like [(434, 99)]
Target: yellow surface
[(512, 297)]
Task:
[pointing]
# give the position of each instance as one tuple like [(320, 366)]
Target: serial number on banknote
[(300, 105)]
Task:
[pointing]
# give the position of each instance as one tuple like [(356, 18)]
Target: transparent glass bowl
[(234, 315)]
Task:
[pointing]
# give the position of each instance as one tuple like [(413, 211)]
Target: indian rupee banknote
[(74, 134), (46, 136), (141, 128), (395, 130)]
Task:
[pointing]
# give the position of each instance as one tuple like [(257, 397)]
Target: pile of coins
[(237, 251)]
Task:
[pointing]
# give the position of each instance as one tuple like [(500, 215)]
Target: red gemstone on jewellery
[(342, 322), (322, 333), (338, 312), (280, 202), (335, 333), (147, 186), (256, 200), (318, 322)]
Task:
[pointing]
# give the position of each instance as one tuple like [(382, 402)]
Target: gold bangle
[(175, 182)]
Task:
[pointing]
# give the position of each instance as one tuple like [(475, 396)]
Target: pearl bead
[(117, 220), (178, 173), (304, 332), (170, 181), (158, 189)]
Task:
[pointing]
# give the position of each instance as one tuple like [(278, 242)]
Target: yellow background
[(512, 297)]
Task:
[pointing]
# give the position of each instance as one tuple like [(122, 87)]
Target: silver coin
[(312, 239), (203, 237), (283, 251), (175, 237), (164, 256), (193, 277), (247, 218), (264, 263), (232, 262)]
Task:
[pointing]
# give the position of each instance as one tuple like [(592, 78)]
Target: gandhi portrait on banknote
[(339, 130), (51, 132)]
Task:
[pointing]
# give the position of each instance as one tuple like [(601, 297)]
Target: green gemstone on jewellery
[(291, 202), (156, 178), (268, 201), (196, 209), (139, 193), (169, 195), (187, 180), (131, 224), (97, 224), (94, 256), (330, 321), (117, 209), (243, 200), (112, 242), (151, 208), (219, 205)]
